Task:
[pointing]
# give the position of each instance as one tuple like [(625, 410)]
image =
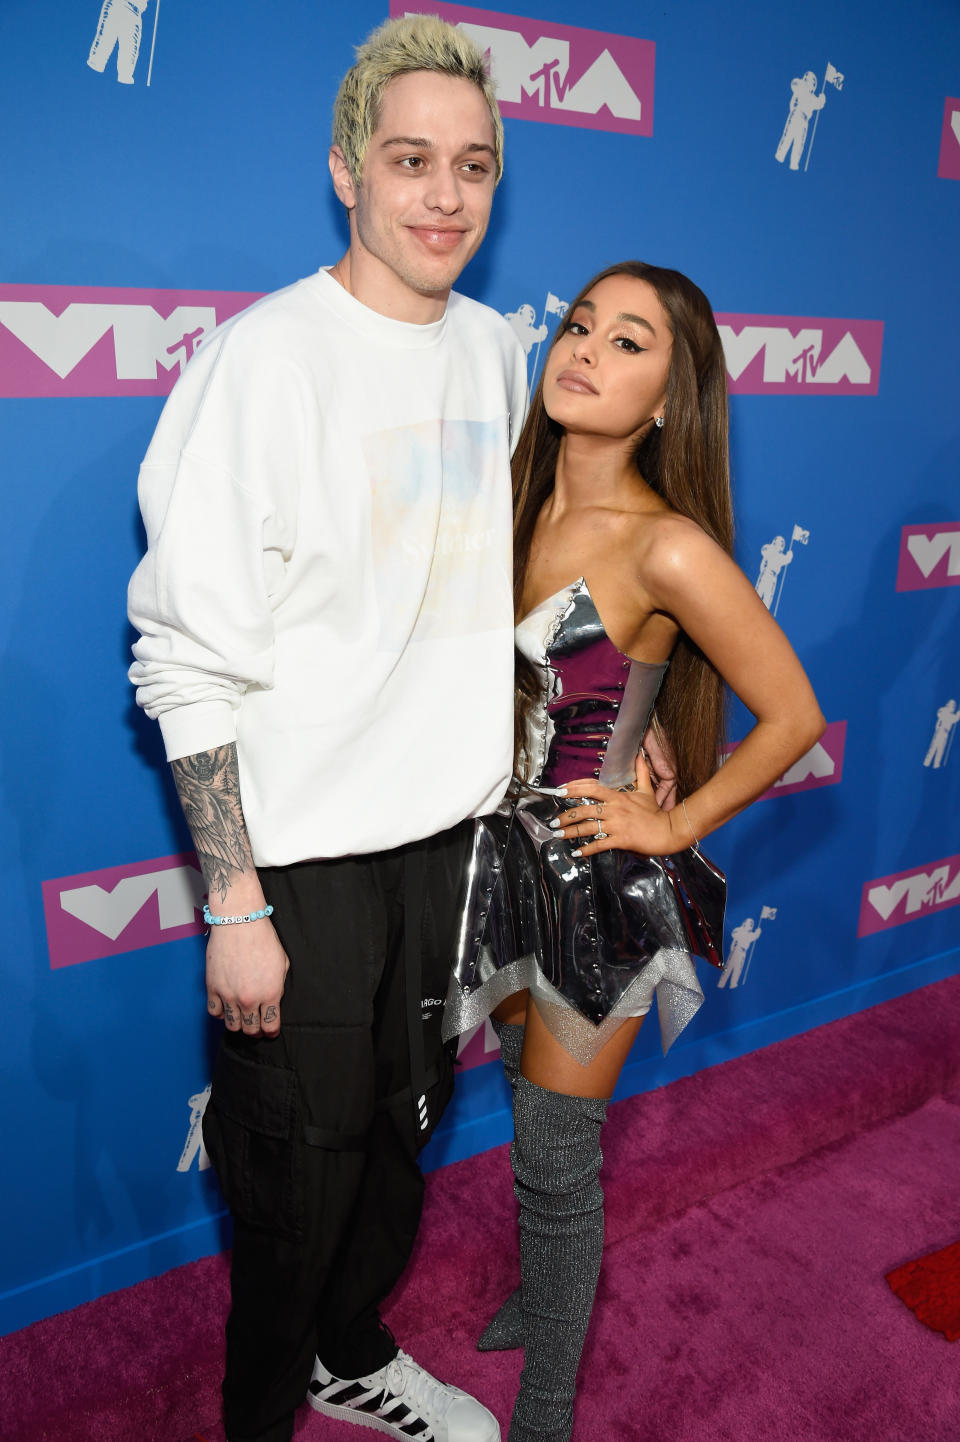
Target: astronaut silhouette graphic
[(119, 27), (938, 752), (523, 323), (743, 940), (193, 1146), (804, 103), (774, 560)]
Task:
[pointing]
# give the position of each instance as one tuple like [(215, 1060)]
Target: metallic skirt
[(593, 938)]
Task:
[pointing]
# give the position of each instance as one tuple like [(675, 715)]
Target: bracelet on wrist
[(212, 920), (686, 818)]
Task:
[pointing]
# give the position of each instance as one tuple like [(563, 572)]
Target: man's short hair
[(398, 47)]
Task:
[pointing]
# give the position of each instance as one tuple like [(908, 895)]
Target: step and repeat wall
[(165, 163)]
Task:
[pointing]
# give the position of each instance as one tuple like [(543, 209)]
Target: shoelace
[(406, 1379)]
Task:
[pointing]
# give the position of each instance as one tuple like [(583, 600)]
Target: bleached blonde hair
[(397, 47)]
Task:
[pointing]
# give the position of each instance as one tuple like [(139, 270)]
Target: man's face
[(423, 202)]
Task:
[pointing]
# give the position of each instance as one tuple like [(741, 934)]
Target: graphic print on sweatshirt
[(435, 517)]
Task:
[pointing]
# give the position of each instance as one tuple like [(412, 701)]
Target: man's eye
[(412, 162)]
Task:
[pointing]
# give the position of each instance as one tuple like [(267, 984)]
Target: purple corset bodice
[(596, 702)]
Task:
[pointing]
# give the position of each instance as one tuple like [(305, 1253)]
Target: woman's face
[(607, 373)]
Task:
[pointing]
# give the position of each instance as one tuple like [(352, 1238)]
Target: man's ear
[(342, 180)]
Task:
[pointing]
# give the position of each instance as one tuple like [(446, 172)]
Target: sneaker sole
[(380, 1424)]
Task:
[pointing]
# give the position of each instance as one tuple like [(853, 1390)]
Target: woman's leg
[(559, 1109)]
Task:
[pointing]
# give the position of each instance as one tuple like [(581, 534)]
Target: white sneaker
[(403, 1400)]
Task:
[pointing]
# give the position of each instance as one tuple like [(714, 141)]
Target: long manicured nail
[(576, 853), (561, 791), (556, 823)]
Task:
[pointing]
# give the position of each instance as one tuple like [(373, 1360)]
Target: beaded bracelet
[(212, 920)]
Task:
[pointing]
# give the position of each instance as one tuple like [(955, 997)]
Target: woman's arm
[(693, 580)]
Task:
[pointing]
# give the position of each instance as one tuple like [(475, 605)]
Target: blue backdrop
[(170, 162)]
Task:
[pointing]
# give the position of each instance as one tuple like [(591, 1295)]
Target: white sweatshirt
[(328, 574)]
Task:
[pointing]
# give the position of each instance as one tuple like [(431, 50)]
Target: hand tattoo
[(208, 784), (228, 1012), (270, 1013), (248, 1018)]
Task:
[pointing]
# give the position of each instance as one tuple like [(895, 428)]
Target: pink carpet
[(754, 1211)]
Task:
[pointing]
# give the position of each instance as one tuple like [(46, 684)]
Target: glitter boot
[(556, 1160)]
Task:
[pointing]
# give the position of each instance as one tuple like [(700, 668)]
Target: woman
[(586, 897)]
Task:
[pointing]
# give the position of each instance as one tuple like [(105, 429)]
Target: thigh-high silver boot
[(556, 1162)]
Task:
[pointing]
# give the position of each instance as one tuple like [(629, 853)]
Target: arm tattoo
[(208, 785)]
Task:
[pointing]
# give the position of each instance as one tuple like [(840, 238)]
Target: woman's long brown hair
[(687, 463)]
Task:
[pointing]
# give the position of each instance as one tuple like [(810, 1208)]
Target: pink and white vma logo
[(103, 913), (893, 900), (478, 1045), (929, 556), (822, 765), (790, 355), (949, 167), (558, 74), (68, 340)]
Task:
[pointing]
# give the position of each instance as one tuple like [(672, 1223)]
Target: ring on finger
[(601, 834)]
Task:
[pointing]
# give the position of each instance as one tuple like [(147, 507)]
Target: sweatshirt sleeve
[(217, 495), (518, 391)]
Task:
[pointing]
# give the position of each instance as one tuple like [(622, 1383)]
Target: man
[(326, 639)]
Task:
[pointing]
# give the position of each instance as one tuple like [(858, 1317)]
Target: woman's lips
[(577, 381)]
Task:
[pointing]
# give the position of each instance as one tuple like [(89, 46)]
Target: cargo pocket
[(250, 1133)]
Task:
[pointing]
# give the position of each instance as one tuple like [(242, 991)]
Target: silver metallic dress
[(593, 938)]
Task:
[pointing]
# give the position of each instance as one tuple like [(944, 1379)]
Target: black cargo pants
[(314, 1134)]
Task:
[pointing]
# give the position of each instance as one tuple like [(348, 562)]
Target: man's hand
[(246, 970), (246, 965)]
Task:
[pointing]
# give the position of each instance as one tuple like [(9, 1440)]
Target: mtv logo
[(123, 908), (558, 74), (929, 556), (790, 355), (59, 340), (949, 167), (908, 895), (822, 765)]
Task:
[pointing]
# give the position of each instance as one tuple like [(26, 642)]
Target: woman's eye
[(630, 346), (576, 328)]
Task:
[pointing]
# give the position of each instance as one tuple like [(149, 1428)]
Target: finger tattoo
[(249, 1018), (228, 1012), (270, 1013)]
